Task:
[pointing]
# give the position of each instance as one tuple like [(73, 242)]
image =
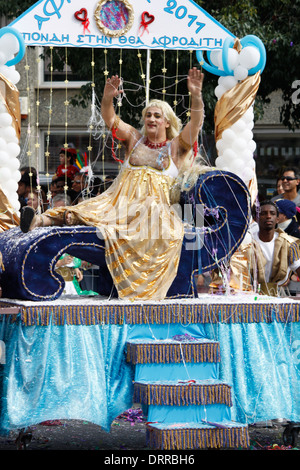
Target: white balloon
[(2, 58), (8, 133), (214, 57), (13, 164), (239, 144), (220, 162), (233, 58), (240, 73), (252, 145), (4, 69), (220, 62), (16, 206), (229, 82), (13, 149), (229, 156), (14, 76), (239, 126), (5, 119), (219, 91), (248, 116), (16, 175), (220, 146), (4, 158), (247, 135), (249, 57), (237, 164), (3, 144), (9, 44), (246, 155), (248, 174), (5, 175), (10, 185), (228, 136)]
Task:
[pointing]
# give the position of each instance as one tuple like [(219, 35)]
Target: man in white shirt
[(273, 254)]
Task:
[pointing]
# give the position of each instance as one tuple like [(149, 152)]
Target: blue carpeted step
[(181, 436), (181, 393)]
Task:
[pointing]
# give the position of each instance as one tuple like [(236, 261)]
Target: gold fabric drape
[(143, 237), (234, 103), (10, 97), (8, 216)]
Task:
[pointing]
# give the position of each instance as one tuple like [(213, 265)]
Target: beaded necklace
[(152, 145)]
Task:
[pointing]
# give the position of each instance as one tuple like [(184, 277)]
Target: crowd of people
[(68, 180)]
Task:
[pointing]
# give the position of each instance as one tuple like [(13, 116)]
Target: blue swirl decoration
[(249, 40), (19, 56)]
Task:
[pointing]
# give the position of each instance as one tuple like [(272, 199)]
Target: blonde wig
[(168, 113)]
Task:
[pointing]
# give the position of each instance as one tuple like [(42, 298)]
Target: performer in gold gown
[(142, 234)]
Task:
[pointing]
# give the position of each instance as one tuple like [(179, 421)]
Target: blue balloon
[(19, 56), (206, 66), (252, 40), (249, 40), (229, 42)]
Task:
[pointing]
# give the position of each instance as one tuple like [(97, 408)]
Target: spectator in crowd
[(66, 167), (26, 184), (279, 189), (79, 187), (290, 183), (287, 217), (35, 200)]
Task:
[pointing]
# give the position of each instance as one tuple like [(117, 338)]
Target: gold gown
[(143, 236)]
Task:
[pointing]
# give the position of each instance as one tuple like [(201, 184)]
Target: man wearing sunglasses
[(290, 182)]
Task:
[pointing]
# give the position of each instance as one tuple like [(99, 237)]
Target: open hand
[(195, 81), (111, 89)]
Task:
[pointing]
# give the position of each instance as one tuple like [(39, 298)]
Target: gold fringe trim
[(197, 438), (173, 352), (182, 394), (138, 314)]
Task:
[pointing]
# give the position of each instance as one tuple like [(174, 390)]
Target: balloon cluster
[(236, 145), (236, 148), (11, 51)]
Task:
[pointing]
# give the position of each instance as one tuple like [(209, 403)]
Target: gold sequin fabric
[(143, 235)]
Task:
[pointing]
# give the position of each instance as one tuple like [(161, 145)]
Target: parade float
[(203, 366)]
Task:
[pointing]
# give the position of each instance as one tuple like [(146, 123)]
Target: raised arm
[(189, 133), (112, 90)]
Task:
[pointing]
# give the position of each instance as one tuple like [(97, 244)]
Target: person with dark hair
[(79, 188), (290, 183), (268, 260), (287, 217), (66, 167), (26, 184), (279, 189)]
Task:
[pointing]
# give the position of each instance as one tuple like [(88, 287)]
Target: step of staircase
[(170, 351), (181, 393), (187, 436)]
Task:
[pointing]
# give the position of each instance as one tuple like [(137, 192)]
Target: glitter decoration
[(114, 17)]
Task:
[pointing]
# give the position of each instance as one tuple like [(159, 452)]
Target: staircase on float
[(187, 406)]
